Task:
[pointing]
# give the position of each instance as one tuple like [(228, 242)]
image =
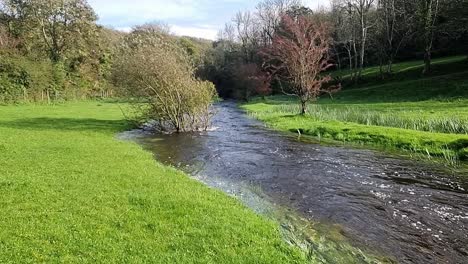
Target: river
[(407, 210)]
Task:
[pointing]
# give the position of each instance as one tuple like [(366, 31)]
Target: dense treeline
[(364, 32), (55, 50)]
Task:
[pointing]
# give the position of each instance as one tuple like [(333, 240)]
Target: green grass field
[(428, 116), (72, 193)]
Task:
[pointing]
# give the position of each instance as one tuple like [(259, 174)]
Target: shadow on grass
[(409, 71), (68, 124), (278, 99)]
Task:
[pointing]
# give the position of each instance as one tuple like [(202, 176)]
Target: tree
[(59, 27), (395, 28), (456, 27), (262, 82), (154, 69), (269, 14), (64, 26), (345, 35), (428, 11), (247, 34), (363, 10), (300, 51), (359, 19), (13, 15), (7, 42), (250, 79)]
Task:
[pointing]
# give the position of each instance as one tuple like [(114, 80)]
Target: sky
[(196, 18)]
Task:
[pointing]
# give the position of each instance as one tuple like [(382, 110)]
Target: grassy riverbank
[(71, 192), (420, 115)]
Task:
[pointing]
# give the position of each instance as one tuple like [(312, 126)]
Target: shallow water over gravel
[(408, 211)]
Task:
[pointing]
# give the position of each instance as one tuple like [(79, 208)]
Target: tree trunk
[(429, 33), (390, 66), (303, 107), (362, 52), (427, 62), (355, 62), (382, 74), (338, 58), (350, 56)]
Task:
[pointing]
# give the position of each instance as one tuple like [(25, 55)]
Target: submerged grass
[(73, 193)]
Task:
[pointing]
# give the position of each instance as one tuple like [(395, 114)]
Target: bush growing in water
[(155, 71)]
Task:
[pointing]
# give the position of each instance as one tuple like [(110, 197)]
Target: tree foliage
[(63, 41), (363, 32), (54, 50), (152, 68), (300, 51)]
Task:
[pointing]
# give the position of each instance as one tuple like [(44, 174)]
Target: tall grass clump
[(402, 119)]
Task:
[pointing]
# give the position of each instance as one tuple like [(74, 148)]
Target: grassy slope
[(408, 70), (380, 114), (71, 192)]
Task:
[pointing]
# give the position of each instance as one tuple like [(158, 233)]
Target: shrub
[(22, 78), (13, 81), (157, 72)]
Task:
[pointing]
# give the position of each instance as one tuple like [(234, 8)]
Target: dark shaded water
[(411, 212)]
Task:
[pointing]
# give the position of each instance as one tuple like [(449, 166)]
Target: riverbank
[(427, 116), (72, 192), (330, 121), (355, 203)]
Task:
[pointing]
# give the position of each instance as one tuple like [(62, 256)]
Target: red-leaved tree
[(299, 54)]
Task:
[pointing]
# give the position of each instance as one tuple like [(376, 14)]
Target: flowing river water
[(390, 206)]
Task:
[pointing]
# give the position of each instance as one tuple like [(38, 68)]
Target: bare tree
[(358, 21), (247, 33), (428, 10), (345, 36), (269, 14), (227, 33), (363, 8), (300, 50), (395, 28)]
